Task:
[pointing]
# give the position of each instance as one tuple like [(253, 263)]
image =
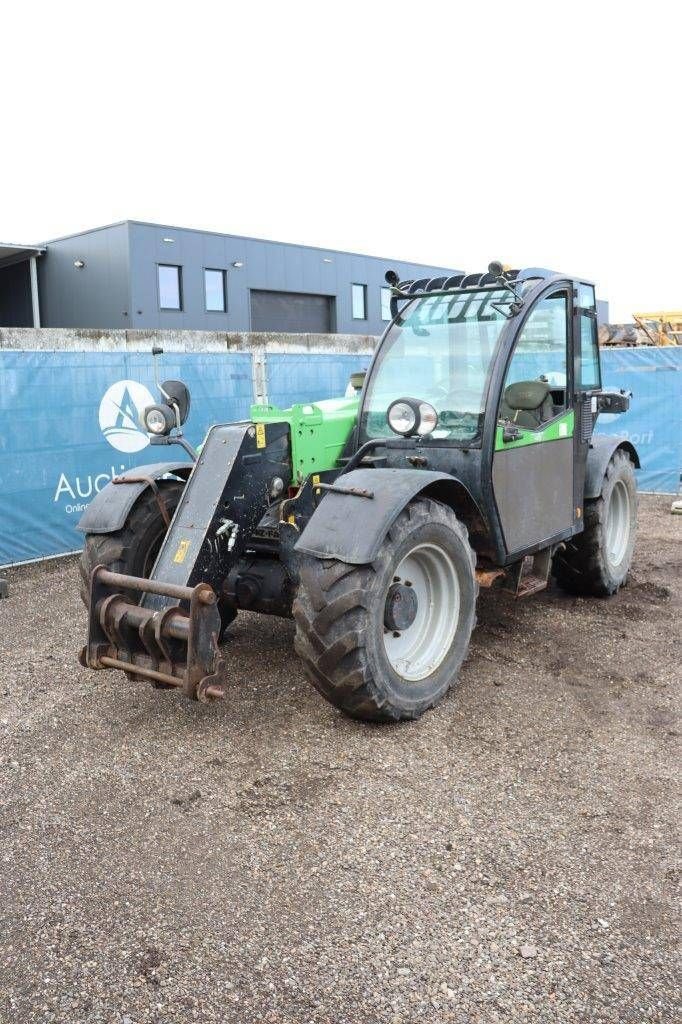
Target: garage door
[(292, 312)]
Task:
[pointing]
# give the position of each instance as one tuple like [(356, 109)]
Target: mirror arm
[(176, 439), (176, 409)]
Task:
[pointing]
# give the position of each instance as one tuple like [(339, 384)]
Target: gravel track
[(510, 857)]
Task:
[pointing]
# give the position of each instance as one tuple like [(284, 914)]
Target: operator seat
[(527, 403)]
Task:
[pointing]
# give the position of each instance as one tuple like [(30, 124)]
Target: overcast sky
[(535, 133)]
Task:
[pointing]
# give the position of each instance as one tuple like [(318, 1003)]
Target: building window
[(170, 286), (386, 304), (215, 291), (359, 301)]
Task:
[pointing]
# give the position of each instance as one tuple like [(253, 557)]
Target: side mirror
[(614, 401), (177, 393)]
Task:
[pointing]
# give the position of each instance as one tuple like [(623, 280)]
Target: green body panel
[(561, 427), (319, 431)]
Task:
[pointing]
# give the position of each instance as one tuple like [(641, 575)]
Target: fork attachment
[(172, 646), (165, 629)]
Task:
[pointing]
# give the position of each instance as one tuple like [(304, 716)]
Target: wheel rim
[(417, 651), (618, 523)]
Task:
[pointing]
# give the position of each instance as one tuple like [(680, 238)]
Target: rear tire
[(361, 665), (597, 561)]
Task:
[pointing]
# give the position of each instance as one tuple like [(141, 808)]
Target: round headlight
[(409, 416), (157, 420), (402, 417)]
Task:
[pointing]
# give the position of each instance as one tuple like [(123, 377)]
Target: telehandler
[(465, 457)]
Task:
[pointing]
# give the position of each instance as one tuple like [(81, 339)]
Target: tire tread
[(330, 613)]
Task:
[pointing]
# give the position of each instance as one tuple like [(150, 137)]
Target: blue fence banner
[(69, 421), (654, 420)]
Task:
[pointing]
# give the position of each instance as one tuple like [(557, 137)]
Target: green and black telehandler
[(465, 457)]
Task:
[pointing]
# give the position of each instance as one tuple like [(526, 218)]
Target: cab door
[(534, 454)]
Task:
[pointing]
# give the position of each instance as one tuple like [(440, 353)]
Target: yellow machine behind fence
[(661, 328)]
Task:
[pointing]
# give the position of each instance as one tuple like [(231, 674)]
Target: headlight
[(409, 416), (402, 417), (158, 419)]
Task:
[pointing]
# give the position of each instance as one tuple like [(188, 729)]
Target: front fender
[(108, 510), (602, 447), (352, 528)]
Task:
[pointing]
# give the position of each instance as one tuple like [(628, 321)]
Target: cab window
[(534, 389), (588, 374)]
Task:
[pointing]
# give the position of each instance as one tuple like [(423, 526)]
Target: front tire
[(132, 550), (597, 561), (384, 642)]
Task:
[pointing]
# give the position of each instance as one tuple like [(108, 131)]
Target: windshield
[(439, 352)]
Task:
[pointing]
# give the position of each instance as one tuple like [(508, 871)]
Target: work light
[(408, 416), (158, 419)]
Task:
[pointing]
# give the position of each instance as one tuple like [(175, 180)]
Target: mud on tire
[(340, 627)]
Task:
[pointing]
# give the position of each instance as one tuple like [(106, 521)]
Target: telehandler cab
[(467, 458)]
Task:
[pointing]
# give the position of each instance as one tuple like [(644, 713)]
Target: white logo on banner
[(119, 415)]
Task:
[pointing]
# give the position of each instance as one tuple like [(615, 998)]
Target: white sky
[(442, 132)]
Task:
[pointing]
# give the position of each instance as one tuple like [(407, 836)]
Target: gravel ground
[(510, 857)]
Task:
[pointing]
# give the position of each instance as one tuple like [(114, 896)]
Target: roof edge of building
[(88, 231), (244, 238)]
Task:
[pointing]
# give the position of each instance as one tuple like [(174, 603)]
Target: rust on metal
[(213, 692), (119, 579), (486, 577), (155, 489), (175, 645), (356, 492)]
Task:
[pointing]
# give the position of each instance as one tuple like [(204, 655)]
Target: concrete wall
[(98, 295), (58, 340)]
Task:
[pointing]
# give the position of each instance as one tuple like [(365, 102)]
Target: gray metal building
[(141, 276)]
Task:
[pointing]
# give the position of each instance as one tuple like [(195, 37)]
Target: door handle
[(510, 432)]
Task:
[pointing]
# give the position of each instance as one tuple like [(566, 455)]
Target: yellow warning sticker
[(260, 435), (292, 520), (181, 554), (316, 478)]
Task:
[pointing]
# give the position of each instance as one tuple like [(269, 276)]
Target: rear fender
[(351, 528), (599, 454), (108, 510)]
